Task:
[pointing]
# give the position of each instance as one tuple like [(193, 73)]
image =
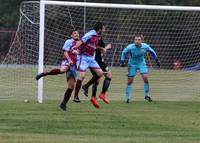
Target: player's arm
[(103, 47), (123, 56), (149, 60), (108, 47), (78, 44), (84, 39), (66, 56), (66, 49), (154, 55)]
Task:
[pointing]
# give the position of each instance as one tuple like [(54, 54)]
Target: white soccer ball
[(25, 100)]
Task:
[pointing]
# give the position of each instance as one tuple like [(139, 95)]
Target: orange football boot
[(94, 101), (104, 98)]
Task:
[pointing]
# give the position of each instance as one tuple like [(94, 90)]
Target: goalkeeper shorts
[(132, 70)]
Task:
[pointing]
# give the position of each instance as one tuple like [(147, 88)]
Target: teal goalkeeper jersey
[(136, 54)]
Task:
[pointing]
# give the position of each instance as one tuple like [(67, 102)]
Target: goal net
[(174, 33)]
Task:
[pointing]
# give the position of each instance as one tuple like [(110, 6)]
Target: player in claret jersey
[(85, 60), (99, 57), (68, 66)]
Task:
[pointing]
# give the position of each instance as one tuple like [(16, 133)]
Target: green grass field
[(173, 117), (139, 122)]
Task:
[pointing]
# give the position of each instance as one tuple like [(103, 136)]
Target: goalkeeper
[(136, 52)]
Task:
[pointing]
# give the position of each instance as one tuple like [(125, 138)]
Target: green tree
[(9, 11)]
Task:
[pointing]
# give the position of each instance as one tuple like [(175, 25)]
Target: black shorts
[(103, 66)]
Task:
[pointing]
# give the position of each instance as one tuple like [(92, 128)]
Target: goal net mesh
[(174, 35)]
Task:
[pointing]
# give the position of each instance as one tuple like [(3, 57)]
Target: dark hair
[(139, 35), (98, 25), (72, 31)]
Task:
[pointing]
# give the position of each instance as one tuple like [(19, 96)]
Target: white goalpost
[(173, 31), (41, 51)]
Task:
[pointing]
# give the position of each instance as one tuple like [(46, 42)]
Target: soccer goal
[(173, 31)]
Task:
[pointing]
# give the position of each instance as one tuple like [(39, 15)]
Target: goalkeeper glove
[(122, 64), (158, 63)]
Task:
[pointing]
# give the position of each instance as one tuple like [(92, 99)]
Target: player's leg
[(129, 89), (106, 82), (131, 74), (71, 82), (144, 73), (63, 68), (105, 87), (95, 77), (95, 85), (82, 65), (94, 88), (93, 80), (108, 76), (93, 99), (96, 68), (79, 81), (71, 76), (146, 87)]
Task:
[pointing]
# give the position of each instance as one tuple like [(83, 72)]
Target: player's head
[(74, 34), (99, 27), (138, 39)]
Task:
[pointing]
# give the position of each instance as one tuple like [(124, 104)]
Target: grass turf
[(165, 85), (118, 122), (173, 117)]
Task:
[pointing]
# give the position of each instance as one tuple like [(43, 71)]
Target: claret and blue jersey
[(90, 42), (85, 59), (68, 48), (68, 44)]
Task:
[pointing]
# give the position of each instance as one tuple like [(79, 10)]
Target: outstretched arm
[(154, 55), (103, 47), (123, 56), (108, 47)]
